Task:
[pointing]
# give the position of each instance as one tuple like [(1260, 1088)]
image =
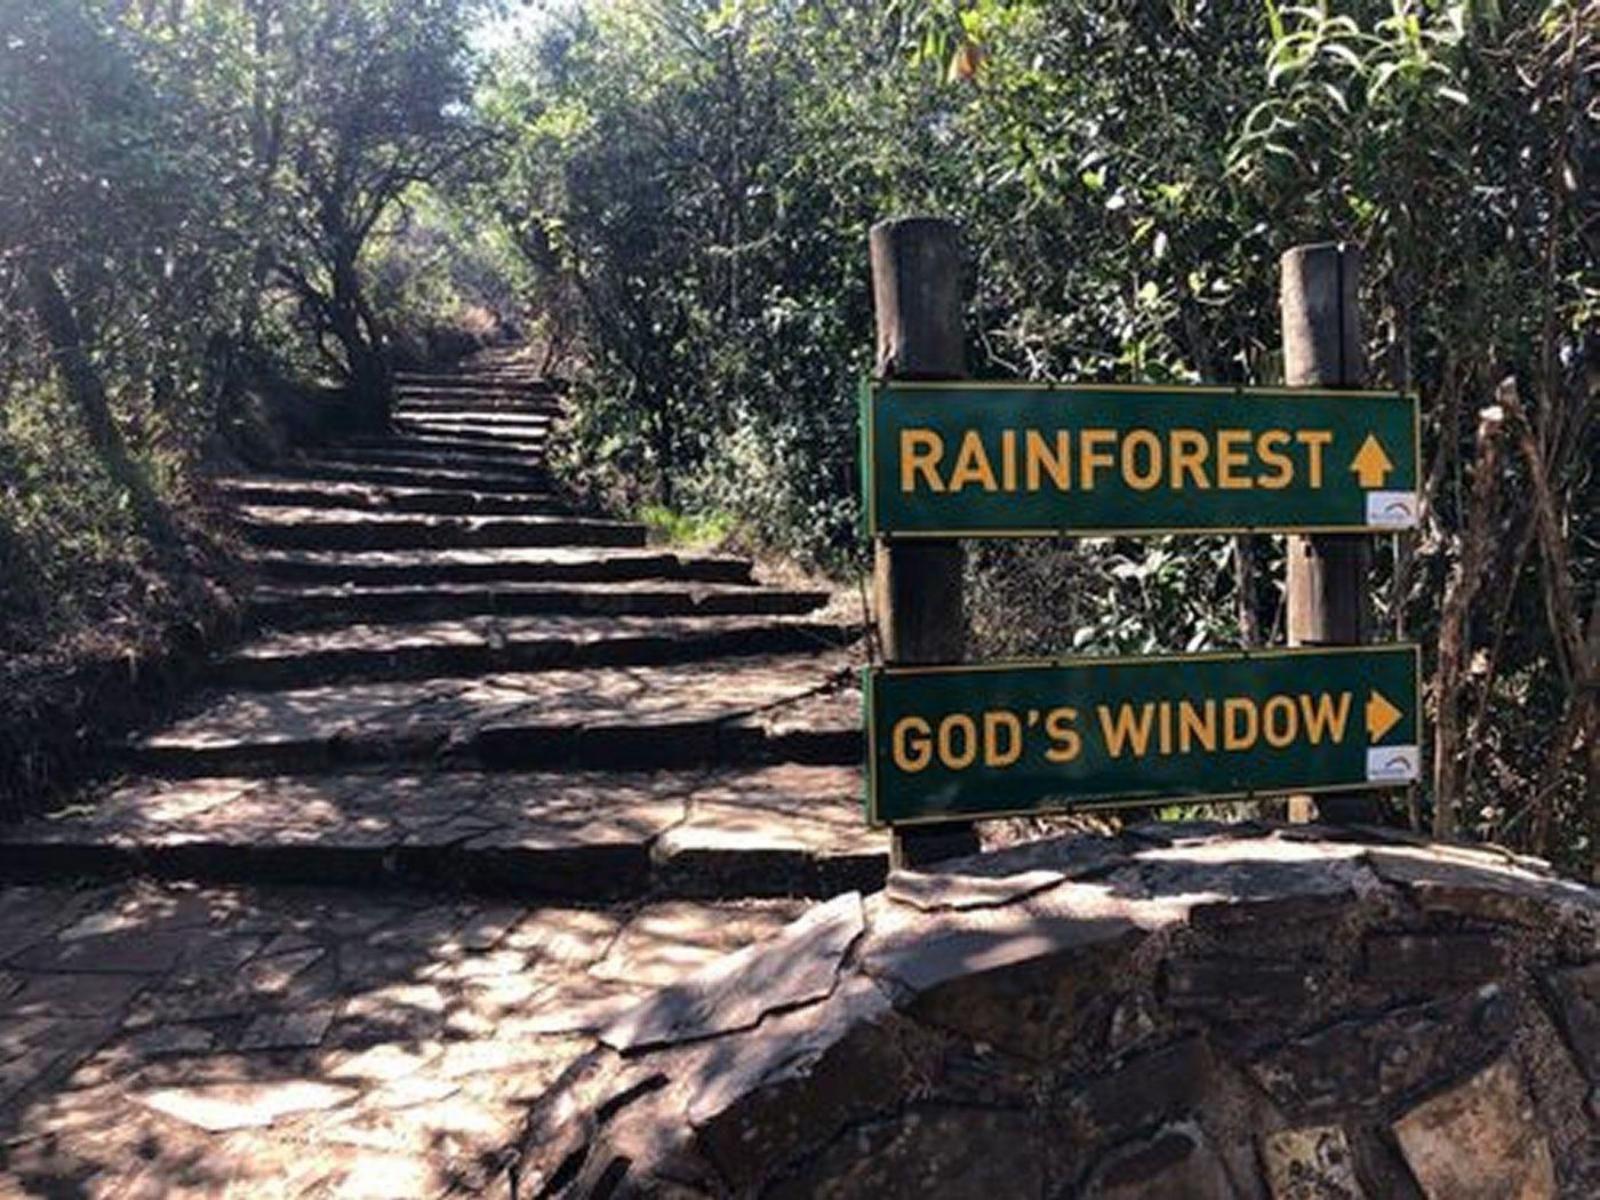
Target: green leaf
[(1344, 54), (1274, 21)]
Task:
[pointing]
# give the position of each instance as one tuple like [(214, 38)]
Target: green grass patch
[(686, 529)]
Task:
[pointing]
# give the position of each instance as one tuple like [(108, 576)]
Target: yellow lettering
[(1274, 458), (920, 451), (1190, 449), (1066, 743), (958, 760), (912, 748), (1197, 725), (1232, 456), (994, 723), (1327, 716), (1094, 452), (1314, 440), (1126, 729), (1278, 721), (1235, 736), (972, 465), (1040, 459), (1141, 480), (1008, 460)]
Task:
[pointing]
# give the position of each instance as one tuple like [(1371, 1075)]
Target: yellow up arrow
[(1381, 716), (1371, 464)]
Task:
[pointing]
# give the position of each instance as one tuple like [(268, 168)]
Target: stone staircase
[(456, 679)]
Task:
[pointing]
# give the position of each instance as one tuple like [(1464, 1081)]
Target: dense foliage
[(198, 205), (693, 183), (191, 196), (672, 198)]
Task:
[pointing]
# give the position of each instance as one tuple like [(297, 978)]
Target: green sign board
[(1009, 459), (1036, 737)]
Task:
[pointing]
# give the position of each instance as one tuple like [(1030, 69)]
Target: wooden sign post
[(945, 458), (916, 294), (1328, 573)]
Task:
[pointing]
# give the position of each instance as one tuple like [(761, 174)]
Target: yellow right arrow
[(1381, 716), (1371, 464)]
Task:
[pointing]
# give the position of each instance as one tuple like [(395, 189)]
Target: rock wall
[(1238, 1013)]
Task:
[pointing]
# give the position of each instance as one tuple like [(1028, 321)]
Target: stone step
[(519, 374), (522, 429), (285, 528), (510, 564), (729, 833), (464, 479), (510, 402), (489, 645), (489, 418), (516, 424), (529, 452), (534, 450), (421, 402), (529, 467), (266, 490), (300, 607), (755, 711), (484, 389), (481, 380), (517, 439)]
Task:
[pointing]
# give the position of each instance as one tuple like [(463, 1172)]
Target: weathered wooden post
[(916, 293), (1329, 574)]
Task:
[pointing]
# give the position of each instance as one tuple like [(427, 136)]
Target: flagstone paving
[(487, 770), (192, 1041), (785, 830)]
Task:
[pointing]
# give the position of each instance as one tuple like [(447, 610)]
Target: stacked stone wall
[(1251, 1013)]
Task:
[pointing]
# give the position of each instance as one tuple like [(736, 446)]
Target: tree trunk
[(1246, 590), (1455, 637), (371, 383), (1591, 734), (87, 392)]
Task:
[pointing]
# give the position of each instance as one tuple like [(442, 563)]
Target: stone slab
[(496, 564), (798, 966), (1574, 994), (1312, 1162), (643, 717), (430, 475), (421, 1060), (1479, 1141), (484, 645), (222, 1108), (290, 605), (265, 490), (931, 891), (1479, 885), (761, 831)]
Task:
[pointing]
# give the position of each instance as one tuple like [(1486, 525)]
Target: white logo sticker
[(1393, 764), (1392, 510)]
